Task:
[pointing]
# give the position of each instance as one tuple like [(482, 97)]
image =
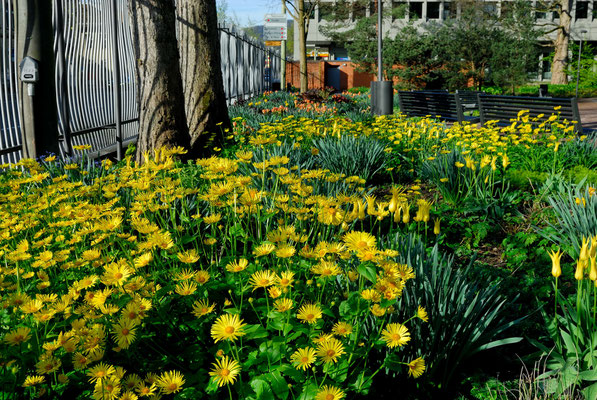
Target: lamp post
[(582, 32), (382, 94)]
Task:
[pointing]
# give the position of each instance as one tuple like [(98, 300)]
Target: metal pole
[(283, 55), (116, 81), (379, 41), (578, 65)]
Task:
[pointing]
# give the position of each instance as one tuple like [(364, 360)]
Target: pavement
[(588, 113)]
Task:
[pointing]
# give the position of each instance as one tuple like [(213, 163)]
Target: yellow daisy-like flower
[(33, 380), (264, 249), (201, 277), (91, 255), (18, 336), (378, 310), (416, 367), (237, 265), (146, 390), (285, 251), (262, 279), (186, 288), (283, 305), (116, 274), (342, 329), (47, 365), (326, 269), (188, 257), (286, 278), (124, 332), (422, 314), (100, 371), (371, 295), (227, 327), (225, 370), (212, 219), (329, 393), (184, 275), (202, 307), (303, 358), (395, 335), (330, 350), (108, 389), (309, 313), (170, 382), (359, 241)]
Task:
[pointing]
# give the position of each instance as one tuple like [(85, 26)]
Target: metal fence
[(84, 47), (10, 120)]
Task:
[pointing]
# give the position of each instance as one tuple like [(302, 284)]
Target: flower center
[(225, 372), (229, 330), (304, 359), (264, 282), (331, 353), (125, 331), (395, 336), (329, 397), (172, 386), (118, 275), (362, 244), (310, 317)]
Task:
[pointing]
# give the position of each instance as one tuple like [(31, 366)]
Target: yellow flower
[(303, 358), (283, 305), (202, 307), (100, 372), (359, 241), (33, 380), (422, 314), (227, 327), (186, 288), (309, 313), (124, 332), (18, 336), (237, 265), (262, 279), (116, 274), (285, 251), (330, 350), (395, 335), (170, 382), (285, 279), (264, 249), (201, 277), (225, 371), (326, 269), (580, 270), (416, 367), (188, 257), (327, 392), (342, 329), (556, 270)]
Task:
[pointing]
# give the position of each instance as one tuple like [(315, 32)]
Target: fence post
[(116, 80), (37, 99)]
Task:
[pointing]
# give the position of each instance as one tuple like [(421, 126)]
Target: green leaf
[(255, 331), (590, 392), (262, 389), (309, 392), (590, 375), (278, 384), (237, 230), (368, 271)]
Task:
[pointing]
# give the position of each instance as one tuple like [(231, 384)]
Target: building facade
[(420, 13)]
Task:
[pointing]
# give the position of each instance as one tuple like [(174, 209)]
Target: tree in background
[(478, 46), (180, 89), (301, 12), (560, 25)]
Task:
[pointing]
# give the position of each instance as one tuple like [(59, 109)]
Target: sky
[(253, 11)]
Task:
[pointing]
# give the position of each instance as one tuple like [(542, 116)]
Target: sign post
[(275, 30)]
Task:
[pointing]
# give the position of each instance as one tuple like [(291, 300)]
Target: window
[(359, 10), (399, 10), (490, 8), (582, 10), (450, 10), (595, 10), (415, 9), (433, 10), (540, 15), (326, 11)]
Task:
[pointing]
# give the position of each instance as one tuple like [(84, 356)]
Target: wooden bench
[(468, 98), (442, 105), (506, 108)]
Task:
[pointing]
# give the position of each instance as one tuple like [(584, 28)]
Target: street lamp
[(382, 93), (582, 32)]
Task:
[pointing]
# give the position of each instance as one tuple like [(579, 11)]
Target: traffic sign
[(275, 33), (273, 43), (275, 19)]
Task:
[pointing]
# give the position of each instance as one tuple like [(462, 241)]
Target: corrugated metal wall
[(84, 74)]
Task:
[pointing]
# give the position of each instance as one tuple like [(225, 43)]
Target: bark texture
[(560, 58), (162, 119), (205, 99), (302, 34)]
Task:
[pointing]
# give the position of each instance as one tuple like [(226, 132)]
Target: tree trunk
[(205, 99), (560, 58), (302, 34), (162, 119)]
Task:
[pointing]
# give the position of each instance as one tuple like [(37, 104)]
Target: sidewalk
[(588, 112)]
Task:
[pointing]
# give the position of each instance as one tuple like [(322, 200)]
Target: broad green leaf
[(368, 271), (262, 389)]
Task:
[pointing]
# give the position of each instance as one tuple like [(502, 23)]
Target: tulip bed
[(321, 254)]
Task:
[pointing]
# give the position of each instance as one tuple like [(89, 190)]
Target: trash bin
[(382, 98), (543, 90), (276, 86)]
